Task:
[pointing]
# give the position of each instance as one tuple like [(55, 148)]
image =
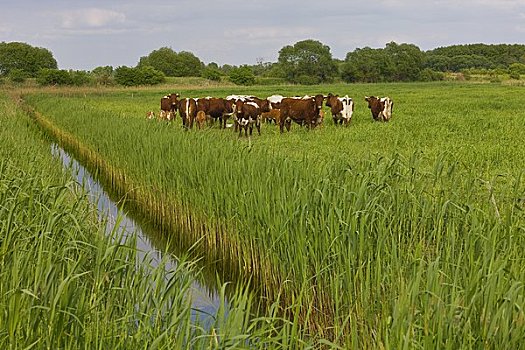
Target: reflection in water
[(204, 301)]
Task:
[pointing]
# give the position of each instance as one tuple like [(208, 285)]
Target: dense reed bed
[(401, 235), (65, 284)]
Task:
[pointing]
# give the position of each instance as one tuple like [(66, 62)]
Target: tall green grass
[(64, 284), (408, 234)]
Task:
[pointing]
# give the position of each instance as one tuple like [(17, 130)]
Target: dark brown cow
[(188, 110), (301, 110), (381, 108), (248, 113), (168, 106), (216, 108)]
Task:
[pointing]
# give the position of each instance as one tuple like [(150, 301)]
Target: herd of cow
[(250, 111)]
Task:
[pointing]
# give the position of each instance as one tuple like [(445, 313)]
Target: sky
[(84, 34)]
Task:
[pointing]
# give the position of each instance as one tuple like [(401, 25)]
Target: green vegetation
[(24, 57), (407, 234), (64, 284), (307, 62)]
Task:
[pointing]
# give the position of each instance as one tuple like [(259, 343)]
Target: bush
[(515, 75), (211, 74), (79, 77), (428, 74), (145, 75), (103, 75), (49, 76), (17, 75), (242, 76)]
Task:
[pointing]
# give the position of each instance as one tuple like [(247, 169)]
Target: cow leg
[(288, 124)]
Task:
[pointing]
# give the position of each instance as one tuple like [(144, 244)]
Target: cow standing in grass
[(381, 108), (187, 108), (341, 108), (303, 111), (216, 108), (248, 114)]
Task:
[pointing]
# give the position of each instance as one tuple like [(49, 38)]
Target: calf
[(341, 108), (301, 110), (200, 118), (150, 115), (381, 108), (272, 115)]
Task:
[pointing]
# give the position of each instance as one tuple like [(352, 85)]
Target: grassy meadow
[(408, 234), (66, 284)]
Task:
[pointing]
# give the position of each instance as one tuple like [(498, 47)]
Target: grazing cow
[(303, 110), (200, 119), (381, 108), (150, 115), (341, 108), (248, 113), (216, 108), (187, 109)]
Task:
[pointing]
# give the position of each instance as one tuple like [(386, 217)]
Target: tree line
[(305, 62)]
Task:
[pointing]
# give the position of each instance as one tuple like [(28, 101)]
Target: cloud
[(91, 18), (273, 32)]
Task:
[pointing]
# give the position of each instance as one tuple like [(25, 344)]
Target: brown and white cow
[(381, 108), (248, 114), (303, 111), (168, 106), (188, 110), (341, 108), (216, 108)]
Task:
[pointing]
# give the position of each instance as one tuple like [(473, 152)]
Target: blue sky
[(85, 34)]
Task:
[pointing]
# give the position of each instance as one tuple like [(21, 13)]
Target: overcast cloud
[(85, 34)]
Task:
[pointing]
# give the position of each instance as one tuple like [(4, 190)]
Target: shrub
[(428, 74), (242, 76), (49, 76), (145, 75), (17, 75), (211, 74), (514, 75)]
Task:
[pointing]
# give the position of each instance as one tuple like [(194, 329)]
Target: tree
[(406, 62), (188, 65), (242, 75), (24, 57), (103, 75), (364, 65), (172, 64), (308, 61)]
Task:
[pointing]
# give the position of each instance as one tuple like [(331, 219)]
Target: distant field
[(408, 233)]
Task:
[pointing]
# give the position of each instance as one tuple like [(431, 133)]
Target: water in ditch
[(205, 301)]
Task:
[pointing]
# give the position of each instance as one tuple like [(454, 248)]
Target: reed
[(406, 234), (65, 284)]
